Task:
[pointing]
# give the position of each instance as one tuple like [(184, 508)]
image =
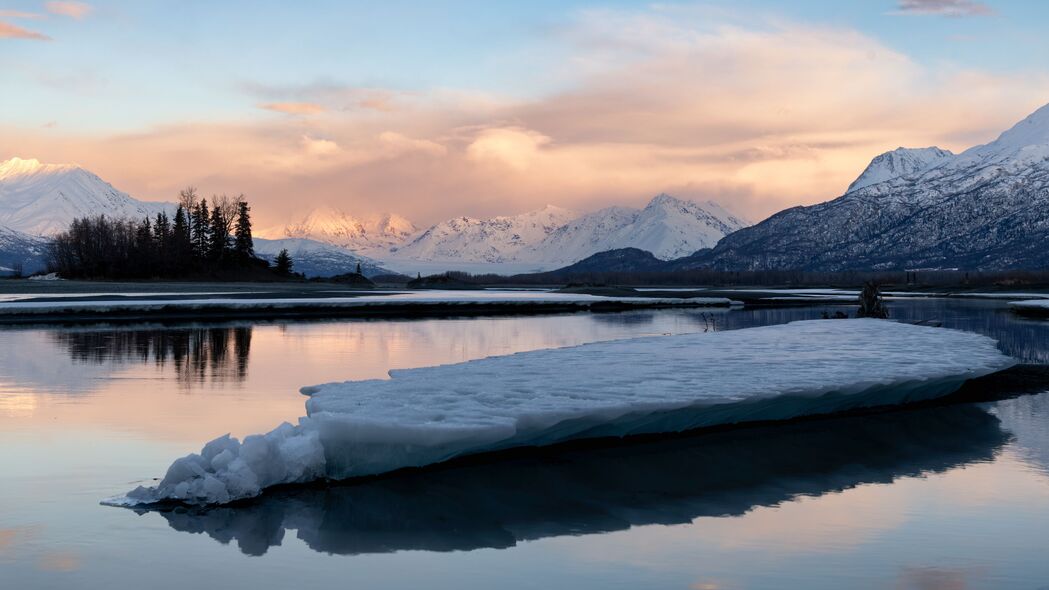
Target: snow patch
[(610, 389)]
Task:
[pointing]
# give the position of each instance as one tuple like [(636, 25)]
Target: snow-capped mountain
[(373, 236), (21, 251), (667, 227), (986, 208), (318, 259), (495, 240), (899, 162), (42, 199)]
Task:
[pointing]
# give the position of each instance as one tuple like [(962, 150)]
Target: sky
[(438, 109)]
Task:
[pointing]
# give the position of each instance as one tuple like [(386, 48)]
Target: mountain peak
[(664, 199), (899, 162), (1033, 130), (17, 166)]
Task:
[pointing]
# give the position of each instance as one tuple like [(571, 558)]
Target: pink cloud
[(77, 10), (756, 117), (20, 14), (9, 31), (294, 108)]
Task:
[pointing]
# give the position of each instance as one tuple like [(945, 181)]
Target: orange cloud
[(77, 10), (760, 117), (294, 108), (9, 31)]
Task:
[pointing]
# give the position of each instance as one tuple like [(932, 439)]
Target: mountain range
[(38, 200), (541, 239), (986, 208)]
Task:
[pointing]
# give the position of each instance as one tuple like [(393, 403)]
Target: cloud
[(944, 7), (9, 31), (20, 14), (77, 10), (757, 114), (294, 108), (515, 147), (398, 144), (319, 147)]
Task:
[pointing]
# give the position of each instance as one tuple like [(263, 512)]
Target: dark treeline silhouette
[(197, 355), (200, 239)]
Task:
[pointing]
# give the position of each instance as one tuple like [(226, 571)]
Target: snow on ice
[(639, 386)]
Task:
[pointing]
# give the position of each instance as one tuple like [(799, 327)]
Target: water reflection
[(588, 491), (198, 355)]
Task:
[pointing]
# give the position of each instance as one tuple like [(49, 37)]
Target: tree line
[(200, 239)]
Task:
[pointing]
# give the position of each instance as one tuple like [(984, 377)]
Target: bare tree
[(187, 197)]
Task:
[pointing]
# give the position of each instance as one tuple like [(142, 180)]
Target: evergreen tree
[(201, 230), (283, 262), (181, 240), (359, 268), (162, 234), (219, 246), (243, 246)]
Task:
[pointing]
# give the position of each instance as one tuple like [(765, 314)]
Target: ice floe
[(649, 385)]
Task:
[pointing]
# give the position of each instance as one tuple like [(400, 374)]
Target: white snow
[(495, 240), (42, 199), (539, 240), (450, 298), (317, 259), (371, 236), (646, 385), (667, 227), (1032, 304), (900, 162)]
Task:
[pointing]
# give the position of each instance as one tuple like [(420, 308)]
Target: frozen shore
[(394, 303)]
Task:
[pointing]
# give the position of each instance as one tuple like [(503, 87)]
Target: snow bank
[(627, 387), (1037, 307), (430, 298)]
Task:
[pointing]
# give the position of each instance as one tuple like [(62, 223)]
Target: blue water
[(951, 497)]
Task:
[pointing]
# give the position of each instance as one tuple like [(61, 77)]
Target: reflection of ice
[(1027, 418), (627, 387), (500, 504)]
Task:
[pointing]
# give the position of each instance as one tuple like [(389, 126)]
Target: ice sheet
[(639, 386), (451, 298)]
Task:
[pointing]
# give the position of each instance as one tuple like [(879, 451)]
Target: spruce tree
[(283, 262), (219, 235), (181, 240), (201, 230), (243, 246), (359, 268)]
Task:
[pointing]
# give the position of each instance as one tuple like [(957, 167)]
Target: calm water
[(950, 498)]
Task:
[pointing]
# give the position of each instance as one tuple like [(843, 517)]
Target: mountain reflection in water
[(500, 503), (197, 354)]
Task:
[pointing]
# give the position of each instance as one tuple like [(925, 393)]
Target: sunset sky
[(435, 109)]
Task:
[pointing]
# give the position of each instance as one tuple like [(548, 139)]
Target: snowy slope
[(42, 199), (649, 385), (986, 208), (667, 227), (495, 240), (19, 249), (373, 236), (899, 162), (317, 259), (537, 240)]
